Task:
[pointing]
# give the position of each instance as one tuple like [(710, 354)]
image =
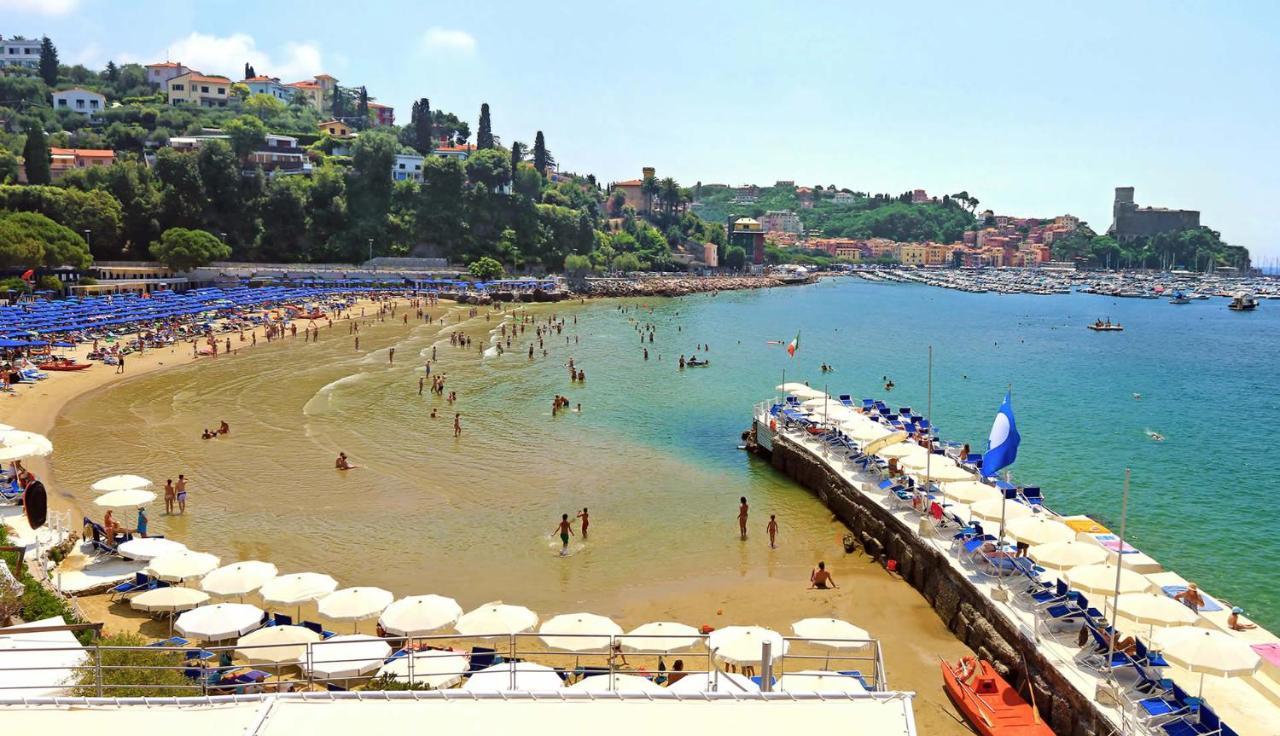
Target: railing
[(211, 670)]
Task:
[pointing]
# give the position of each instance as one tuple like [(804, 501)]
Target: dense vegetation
[(1200, 249)]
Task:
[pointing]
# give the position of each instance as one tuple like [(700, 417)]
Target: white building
[(79, 100), (19, 51), (842, 198), (408, 166), (158, 75), (781, 221), (269, 86)]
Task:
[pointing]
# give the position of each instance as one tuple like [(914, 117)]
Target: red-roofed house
[(63, 160), (318, 91), (158, 75), (383, 115), (631, 188), (198, 89), (269, 86), (459, 152)]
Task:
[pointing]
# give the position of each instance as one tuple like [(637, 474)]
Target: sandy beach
[(765, 587)]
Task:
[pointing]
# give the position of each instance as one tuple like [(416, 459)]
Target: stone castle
[(1131, 221)]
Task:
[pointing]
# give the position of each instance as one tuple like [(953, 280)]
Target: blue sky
[(1035, 108)]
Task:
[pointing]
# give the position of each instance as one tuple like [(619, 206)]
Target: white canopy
[(169, 599), (42, 673), (819, 681), (121, 483), (619, 683), (9, 453), (865, 430), (276, 644), (149, 548), (219, 621), (419, 614), (238, 578), (1039, 530), (1068, 554), (1207, 651), (509, 676), (831, 632), (902, 451), (724, 682), (125, 499), (970, 491), (351, 655), (496, 619), (990, 510), (297, 588), (660, 636), (1154, 609), (742, 644), (41, 445), (578, 632), (945, 470), (355, 604), (178, 566), (434, 668), (1101, 580)]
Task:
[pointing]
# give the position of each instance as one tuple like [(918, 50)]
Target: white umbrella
[(121, 483), (578, 632), (990, 510), (419, 614), (238, 578), (219, 621), (350, 655), (942, 471), (970, 491), (509, 676), (723, 682), (179, 566), (1068, 554), (617, 683), (918, 460), (865, 430), (5, 428), (125, 499), (819, 681), (741, 644), (276, 644), (660, 636), (15, 437), (1039, 530), (831, 632), (1207, 651), (434, 668), (791, 387), (355, 604), (893, 438), (496, 619), (1154, 609), (9, 453), (1101, 580), (902, 451), (149, 548), (169, 600), (297, 588)]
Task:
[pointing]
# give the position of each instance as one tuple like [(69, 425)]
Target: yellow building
[(938, 255), (335, 129), (912, 255), (194, 88), (318, 92)]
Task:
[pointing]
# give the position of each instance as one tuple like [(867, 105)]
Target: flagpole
[(1124, 513), (929, 415)]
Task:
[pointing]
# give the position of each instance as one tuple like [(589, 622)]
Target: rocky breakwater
[(673, 286), (961, 606)]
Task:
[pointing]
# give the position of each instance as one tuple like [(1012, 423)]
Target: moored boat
[(1107, 326), (991, 704), (1243, 302)]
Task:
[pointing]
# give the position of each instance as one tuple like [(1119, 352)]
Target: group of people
[(212, 434), (819, 578), (176, 494), (565, 529)]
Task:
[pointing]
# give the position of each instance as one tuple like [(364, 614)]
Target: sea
[(653, 451)]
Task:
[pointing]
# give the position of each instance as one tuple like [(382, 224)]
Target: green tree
[(485, 269), (484, 133), (220, 174), (490, 168), (111, 73), (650, 189), (509, 249), (517, 155), (264, 107), (283, 234), (423, 127), (625, 263), (96, 211), (247, 134), (540, 154), (29, 239), (182, 195), (735, 257), (48, 62), (182, 249), (438, 222), (577, 264), (362, 109), (136, 672), (35, 154), (8, 167)]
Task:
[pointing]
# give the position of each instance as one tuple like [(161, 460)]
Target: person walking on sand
[(586, 522), (772, 528), (169, 496), (742, 516), (565, 530), (120, 364), (181, 488), (457, 425)]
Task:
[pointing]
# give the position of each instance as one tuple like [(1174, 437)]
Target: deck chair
[(482, 657), (846, 400)]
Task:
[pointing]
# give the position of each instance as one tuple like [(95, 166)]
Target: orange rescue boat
[(992, 705)]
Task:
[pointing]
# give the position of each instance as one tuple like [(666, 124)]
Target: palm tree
[(669, 193), (649, 188)]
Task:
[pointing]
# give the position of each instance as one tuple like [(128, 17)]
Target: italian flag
[(793, 346)]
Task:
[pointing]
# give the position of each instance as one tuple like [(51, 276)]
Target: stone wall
[(965, 611)]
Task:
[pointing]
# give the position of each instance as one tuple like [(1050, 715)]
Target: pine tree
[(423, 128), (517, 154), (540, 153), (48, 62), (362, 109), (113, 71), (339, 103), (35, 155), (484, 136)]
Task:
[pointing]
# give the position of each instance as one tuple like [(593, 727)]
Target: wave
[(321, 400)]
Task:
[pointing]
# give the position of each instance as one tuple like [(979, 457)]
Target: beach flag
[(1002, 445), (794, 345)]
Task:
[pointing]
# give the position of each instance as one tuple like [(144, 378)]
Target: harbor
[(1048, 281)]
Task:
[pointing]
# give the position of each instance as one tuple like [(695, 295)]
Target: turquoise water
[(1201, 501)]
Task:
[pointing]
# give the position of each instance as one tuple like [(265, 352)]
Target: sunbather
[(820, 579), (1233, 620), (1191, 597)]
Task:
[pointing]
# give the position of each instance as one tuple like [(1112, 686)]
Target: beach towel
[(1210, 605)]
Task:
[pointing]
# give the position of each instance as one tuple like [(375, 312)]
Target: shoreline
[(672, 287)]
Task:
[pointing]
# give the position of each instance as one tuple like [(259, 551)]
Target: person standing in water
[(457, 424), (772, 528), (181, 488), (565, 530), (586, 522), (742, 516)]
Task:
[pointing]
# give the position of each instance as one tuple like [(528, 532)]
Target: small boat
[(1180, 298), (64, 365), (1106, 327), (1243, 302), (992, 705), (696, 363)]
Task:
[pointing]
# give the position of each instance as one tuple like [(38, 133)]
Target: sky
[(1037, 109)]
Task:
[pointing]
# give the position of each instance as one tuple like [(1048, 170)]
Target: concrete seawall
[(960, 605)]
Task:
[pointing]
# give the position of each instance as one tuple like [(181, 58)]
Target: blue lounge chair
[(482, 657), (846, 400), (1148, 657), (174, 641), (139, 582), (1166, 704), (1032, 496), (324, 633), (857, 674), (282, 620)]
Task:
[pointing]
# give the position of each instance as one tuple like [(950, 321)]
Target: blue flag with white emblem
[(1002, 445)]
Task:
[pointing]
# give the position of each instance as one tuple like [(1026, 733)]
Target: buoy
[(891, 565)]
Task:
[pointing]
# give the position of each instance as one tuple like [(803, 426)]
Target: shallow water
[(654, 451)]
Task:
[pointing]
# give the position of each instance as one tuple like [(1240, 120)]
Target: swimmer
[(586, 521), (565, 530), (342, 463)]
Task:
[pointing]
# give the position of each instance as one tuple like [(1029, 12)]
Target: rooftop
[(83, 152), (198, 77)]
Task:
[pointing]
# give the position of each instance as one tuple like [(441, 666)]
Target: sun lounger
[(1209, 606), (482, 657), (318, 629), (845, 400), (173, 641)]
